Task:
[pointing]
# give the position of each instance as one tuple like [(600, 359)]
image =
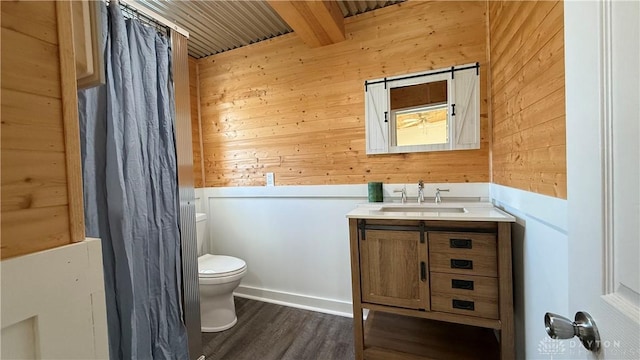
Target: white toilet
[(218, 276)]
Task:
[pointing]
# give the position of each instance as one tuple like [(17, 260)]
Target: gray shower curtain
[(131, 190)]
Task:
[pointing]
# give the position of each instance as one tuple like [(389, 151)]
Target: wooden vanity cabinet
[(426, 284)]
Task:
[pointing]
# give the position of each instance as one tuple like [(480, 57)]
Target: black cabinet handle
[(423, 271), (463, 304), (461, 284), (461, 264), (460, 243), (386, 116)]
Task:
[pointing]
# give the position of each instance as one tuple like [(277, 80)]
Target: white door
[(602, 42), (53, 304)]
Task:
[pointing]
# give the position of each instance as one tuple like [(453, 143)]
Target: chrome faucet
[(420, 192), (438, 198), (404, 193)]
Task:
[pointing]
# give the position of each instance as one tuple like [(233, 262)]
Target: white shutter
[(466, 91), (376, 125)]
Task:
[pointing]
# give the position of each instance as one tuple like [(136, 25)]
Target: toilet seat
[(219, 266)]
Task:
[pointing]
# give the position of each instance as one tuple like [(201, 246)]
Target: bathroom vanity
[(436, 280)]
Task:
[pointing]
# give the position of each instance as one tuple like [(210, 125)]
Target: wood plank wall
[(41, 191), (527, 96), (195, 123), (279, 106)]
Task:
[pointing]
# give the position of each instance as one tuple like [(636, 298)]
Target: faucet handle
[(404, 193), (438, 190), (420, 184)]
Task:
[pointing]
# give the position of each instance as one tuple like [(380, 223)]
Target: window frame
[(395, 149), (463, 126)]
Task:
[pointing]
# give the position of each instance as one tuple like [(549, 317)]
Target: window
[(430, 111)]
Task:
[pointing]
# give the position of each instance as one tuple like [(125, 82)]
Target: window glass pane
[(418, 95), (420, 113), (422, 126)]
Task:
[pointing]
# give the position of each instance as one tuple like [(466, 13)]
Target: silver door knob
[(560, 327)]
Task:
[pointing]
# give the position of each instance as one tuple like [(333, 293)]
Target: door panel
[(53, 304), (377, 126), (602, 85), (392, 270)]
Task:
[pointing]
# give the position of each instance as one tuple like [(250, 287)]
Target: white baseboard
[(327, 306)]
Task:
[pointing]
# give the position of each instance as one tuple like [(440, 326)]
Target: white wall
[(295, 239), (540, 253)]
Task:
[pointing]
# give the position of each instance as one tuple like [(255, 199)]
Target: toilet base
[(220, 328), (217, 307)]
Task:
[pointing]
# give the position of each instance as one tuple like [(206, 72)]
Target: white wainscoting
[(295, 239), (53, 304), (199, 197), (295, 242), (540, 263)]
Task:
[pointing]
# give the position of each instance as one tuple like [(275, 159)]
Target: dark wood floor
[(273, 332)]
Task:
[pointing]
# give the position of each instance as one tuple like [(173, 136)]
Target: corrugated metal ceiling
[(217, 26)]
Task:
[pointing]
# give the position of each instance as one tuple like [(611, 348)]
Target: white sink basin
[(414, 208)]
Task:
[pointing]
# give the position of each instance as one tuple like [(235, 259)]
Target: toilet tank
[(201, 231)]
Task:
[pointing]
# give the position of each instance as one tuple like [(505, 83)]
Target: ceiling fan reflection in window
[(423, 117)]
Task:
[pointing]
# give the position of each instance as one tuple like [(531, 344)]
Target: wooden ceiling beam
[(317, 23)]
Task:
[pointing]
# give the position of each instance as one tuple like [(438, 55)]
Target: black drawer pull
[(423, 271), (460, 243), (461, 284), (463, 304), (461, 264)]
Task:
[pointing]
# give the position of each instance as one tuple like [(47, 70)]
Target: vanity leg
[(358, 332), (507, 337), (358, 325), (507, 350)]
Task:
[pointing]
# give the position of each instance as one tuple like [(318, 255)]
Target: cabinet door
[(393, 267), (88, 43)]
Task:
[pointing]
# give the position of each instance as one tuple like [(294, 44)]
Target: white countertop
[(473, 211)]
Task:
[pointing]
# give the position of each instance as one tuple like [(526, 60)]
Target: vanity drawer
[(466, 295), (463, 253), (481, 287), (464, 305)]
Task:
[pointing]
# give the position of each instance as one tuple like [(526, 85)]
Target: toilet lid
[(219, 265)]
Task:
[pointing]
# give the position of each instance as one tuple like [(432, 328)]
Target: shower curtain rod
[(162, 20)]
